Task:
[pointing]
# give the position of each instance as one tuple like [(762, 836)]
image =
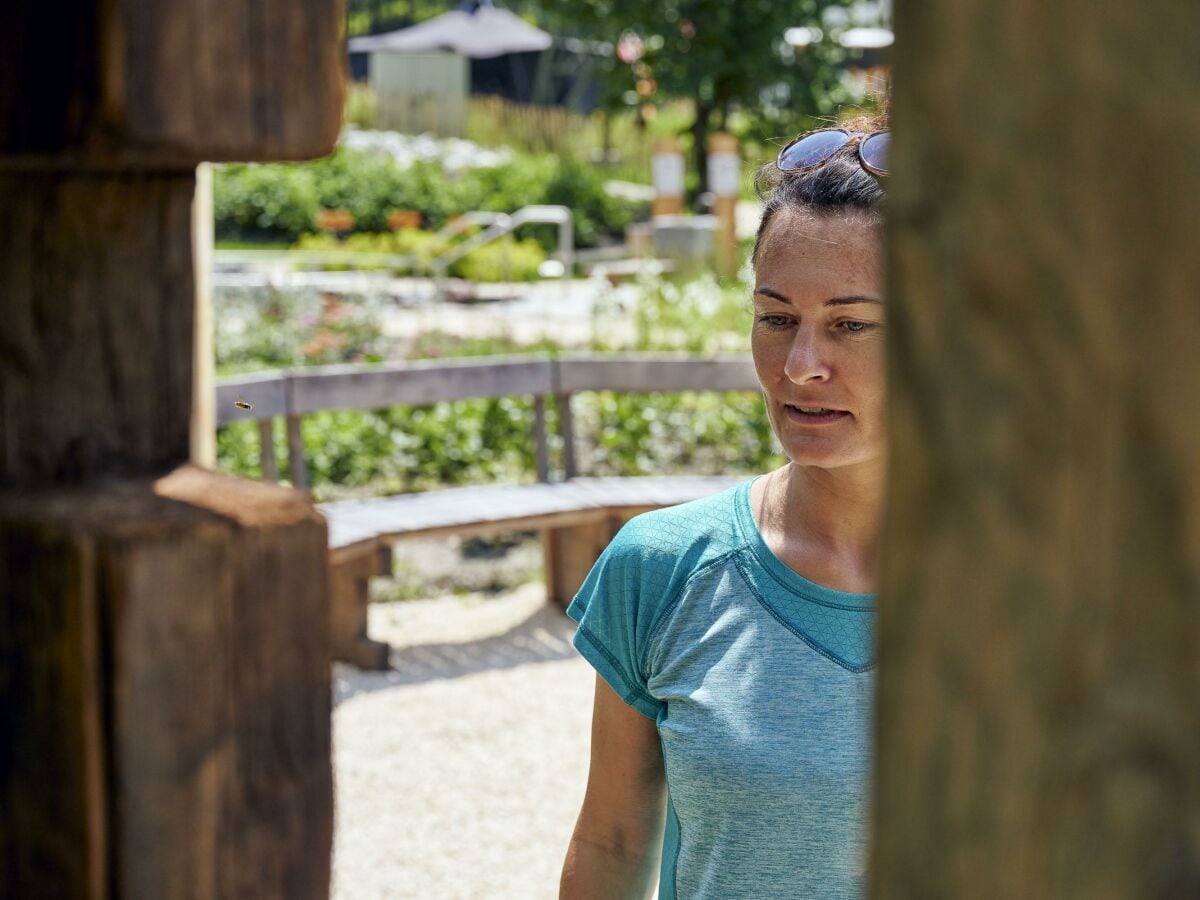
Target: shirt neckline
[(788, 577)]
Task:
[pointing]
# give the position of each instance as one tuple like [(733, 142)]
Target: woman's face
[(818, 338)]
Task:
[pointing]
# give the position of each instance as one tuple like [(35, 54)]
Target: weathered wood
[(266, 392), (566, 426), (419, 383), (97, 303), (165, 698), (349, 595), (656, 372), (437, 381), (541, 445), (266, 450), (203, 427), (568, 554), (297, 466), (510, 506), (1038, 686), (168, 84)]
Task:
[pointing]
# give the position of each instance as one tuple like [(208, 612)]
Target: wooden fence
[(294, 394)]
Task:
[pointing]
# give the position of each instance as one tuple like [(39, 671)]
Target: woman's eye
[(857, 327), (774, 320)]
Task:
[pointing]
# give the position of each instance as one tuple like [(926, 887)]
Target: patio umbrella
[(476, 29)]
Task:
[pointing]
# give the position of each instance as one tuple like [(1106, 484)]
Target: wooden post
[(350, 581), (541, 447), (666, 169), (725, 182), (204, 378), (266, 446), (566, 425), (1039, 699), (568, 554), (164, 696), (296, 463)]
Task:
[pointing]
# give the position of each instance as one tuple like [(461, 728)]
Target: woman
[(732, 636)]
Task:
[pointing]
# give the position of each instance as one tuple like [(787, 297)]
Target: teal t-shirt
[(761, 686)]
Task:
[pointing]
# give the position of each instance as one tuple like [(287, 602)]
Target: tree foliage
[(723, 56)]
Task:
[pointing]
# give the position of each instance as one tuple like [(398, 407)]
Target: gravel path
[(461, 771)]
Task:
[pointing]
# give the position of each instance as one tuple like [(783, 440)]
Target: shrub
[(259, 201), (502, 260), (280, 200)]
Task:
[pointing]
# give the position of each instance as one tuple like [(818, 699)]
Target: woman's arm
[(615, 849)]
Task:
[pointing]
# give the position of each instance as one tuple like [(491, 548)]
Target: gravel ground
[(459, 773)]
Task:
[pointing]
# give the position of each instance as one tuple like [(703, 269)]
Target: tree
[(722, 56)]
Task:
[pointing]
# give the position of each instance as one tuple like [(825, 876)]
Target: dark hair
[(838, 187)]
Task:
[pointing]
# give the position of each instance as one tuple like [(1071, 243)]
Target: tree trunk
[(1038, 686)]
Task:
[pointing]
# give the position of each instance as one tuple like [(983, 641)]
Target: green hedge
[(279, 201)]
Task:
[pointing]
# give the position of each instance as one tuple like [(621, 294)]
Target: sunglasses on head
[(813, 149)]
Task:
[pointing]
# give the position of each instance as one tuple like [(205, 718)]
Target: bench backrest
[(292, 394)]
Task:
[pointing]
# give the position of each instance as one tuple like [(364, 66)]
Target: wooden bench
[(577, 516)]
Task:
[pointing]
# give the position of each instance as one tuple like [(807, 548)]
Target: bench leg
[(568, 554), (348, 594)]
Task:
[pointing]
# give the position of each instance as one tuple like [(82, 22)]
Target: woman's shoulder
[(696, 530)]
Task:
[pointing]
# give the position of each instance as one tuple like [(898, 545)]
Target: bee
[(242, 404)]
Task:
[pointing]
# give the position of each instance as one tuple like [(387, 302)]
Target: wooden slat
[(266, 393), (266, 449), (644, 372), (566, 425), (511, 507), (542, 450), (372, 387), (434, 381), (297, 464)]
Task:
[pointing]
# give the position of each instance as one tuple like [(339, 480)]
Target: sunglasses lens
[(809, 151), (875, 150)]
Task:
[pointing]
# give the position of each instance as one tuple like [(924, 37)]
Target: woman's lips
[(813, 415)]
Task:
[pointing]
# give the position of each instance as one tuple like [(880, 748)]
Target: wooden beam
[(95, 277), (436, 381), (204, 360), (419, 383), (1038, 727), (656, 372), (165, 697), (265, 392), (247, 80)]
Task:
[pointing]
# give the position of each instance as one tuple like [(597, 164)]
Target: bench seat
[(577, 519)]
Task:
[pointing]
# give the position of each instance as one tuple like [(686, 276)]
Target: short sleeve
[(615, 609)]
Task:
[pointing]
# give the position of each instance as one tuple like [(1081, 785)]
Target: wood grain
[(429, 381), (165, 691), (1038, 730), (97, 301), (168, 84)]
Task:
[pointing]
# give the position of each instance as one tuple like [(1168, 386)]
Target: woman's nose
[(807, 362)]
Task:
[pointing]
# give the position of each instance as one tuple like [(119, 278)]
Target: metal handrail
[(503, 223)]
